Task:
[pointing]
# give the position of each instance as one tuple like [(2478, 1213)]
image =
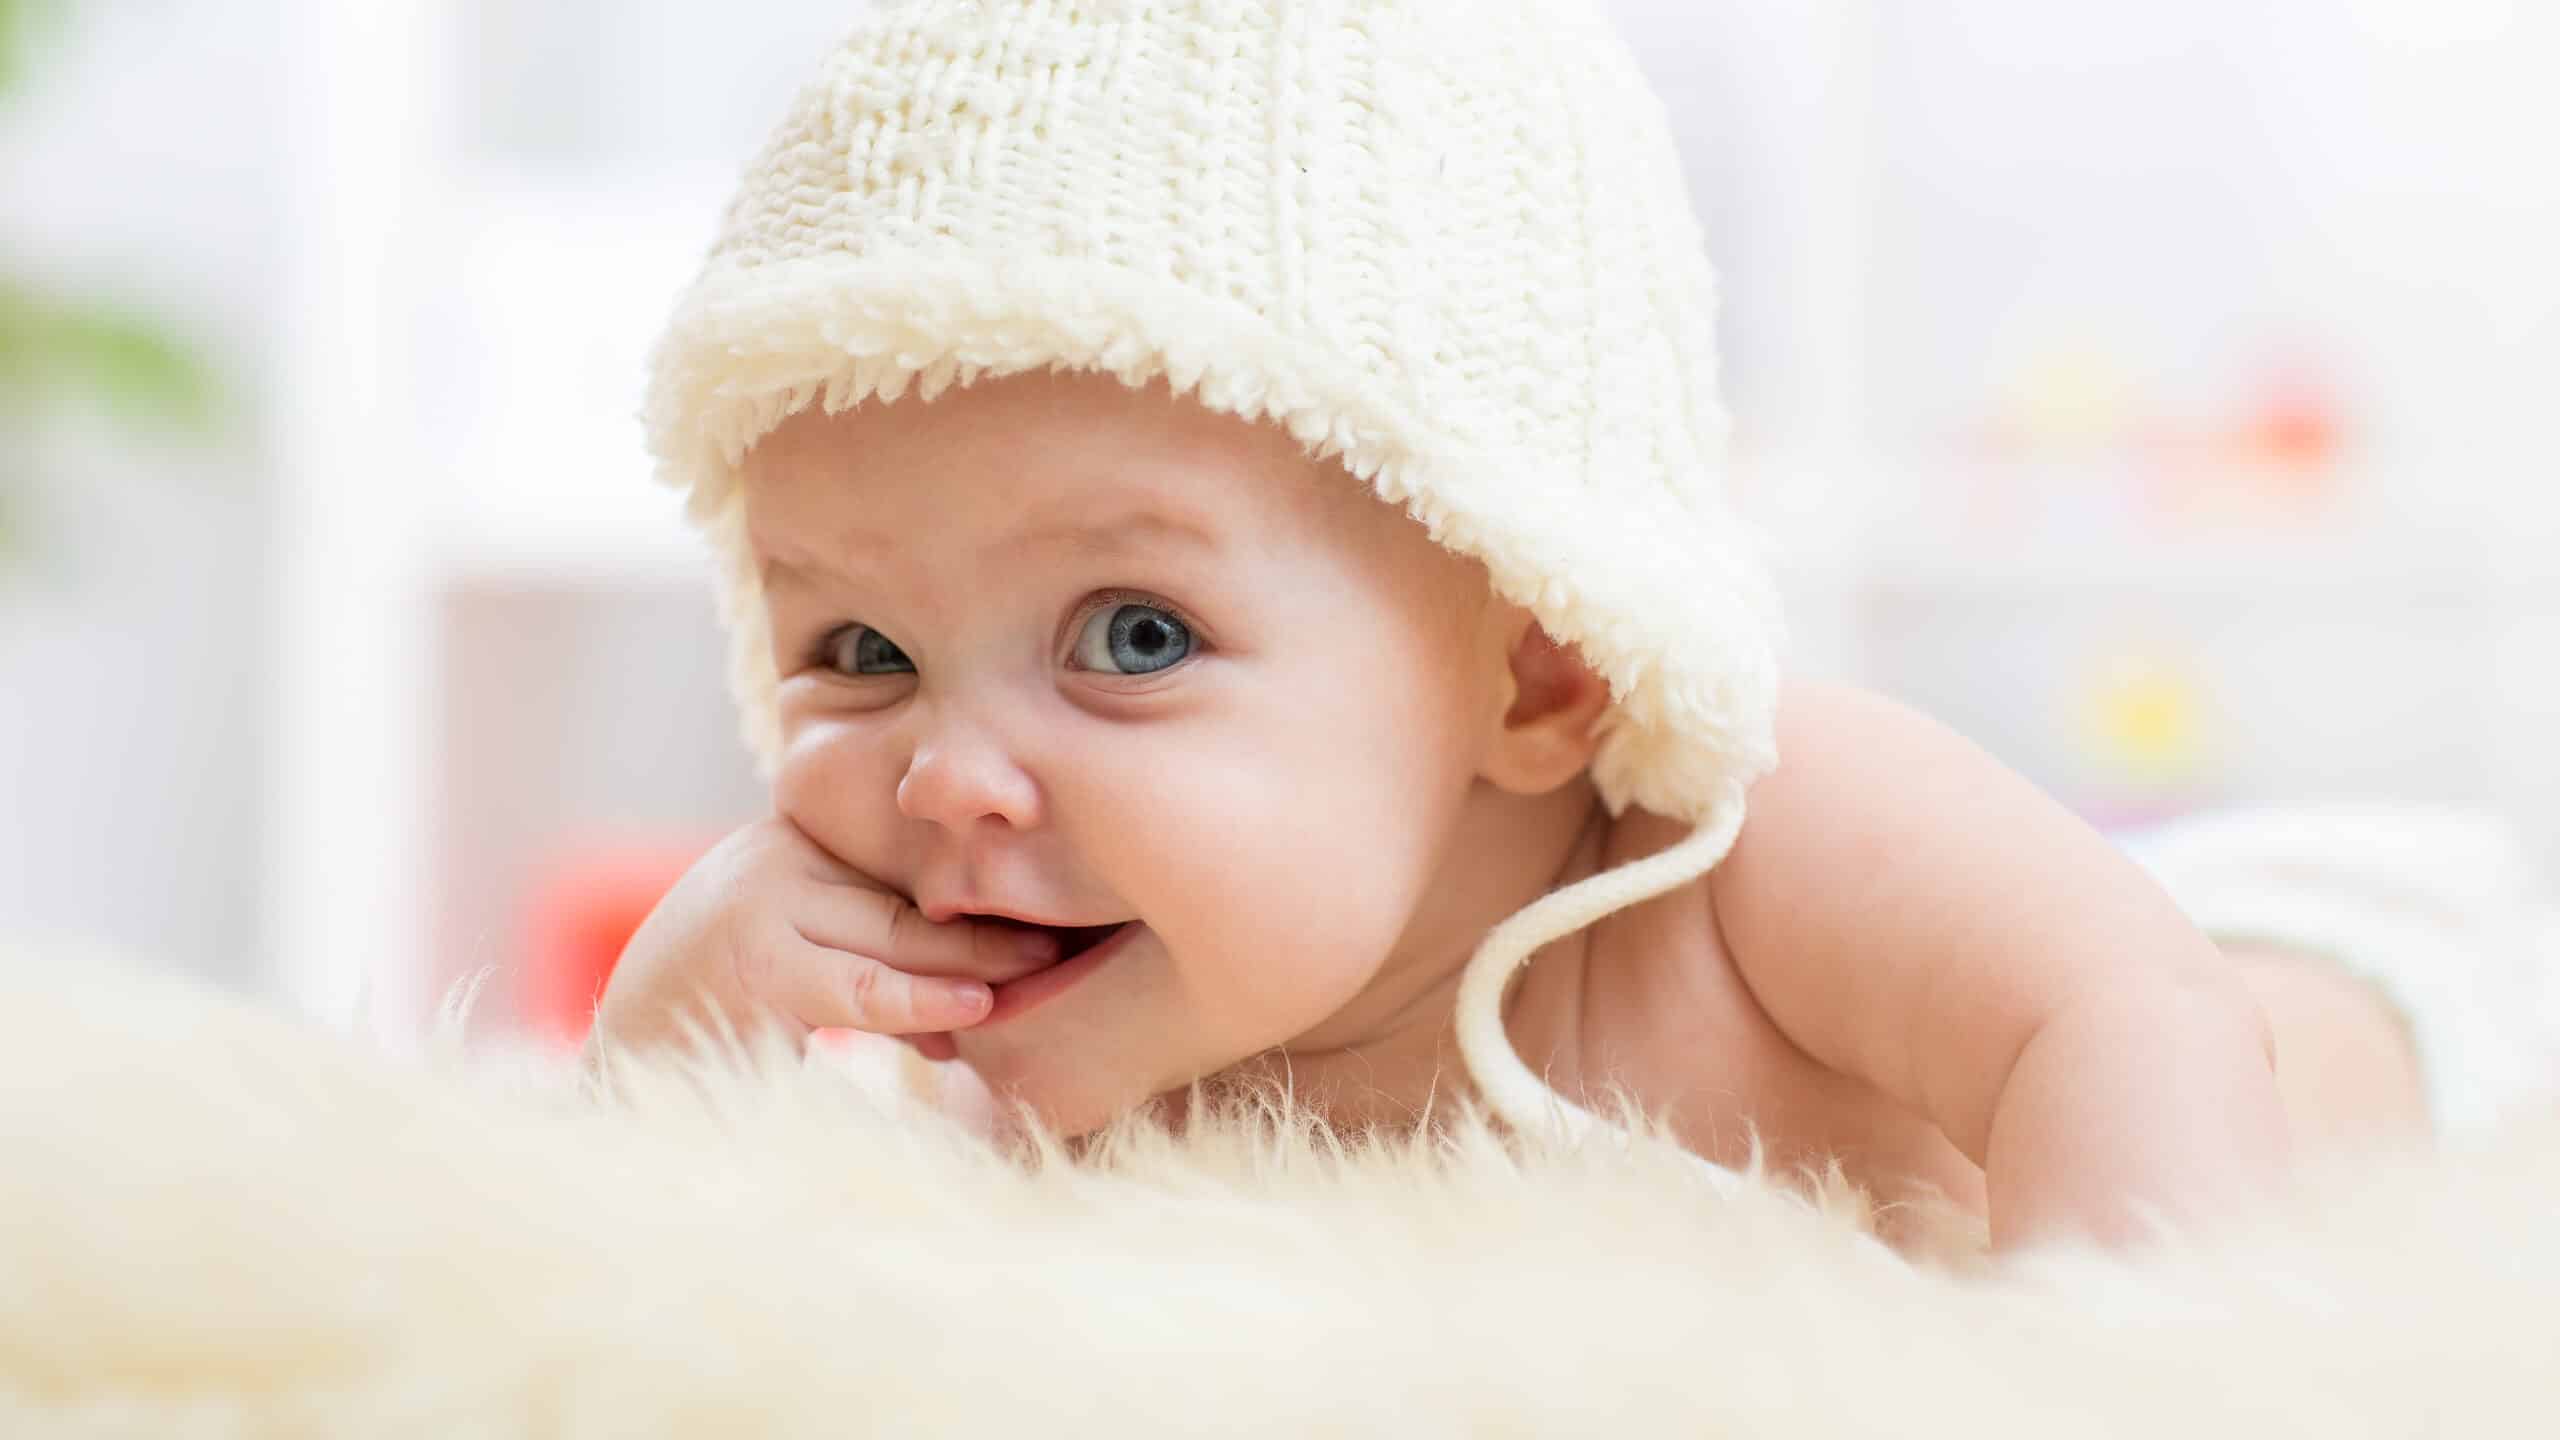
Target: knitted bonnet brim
[(1685, 644)]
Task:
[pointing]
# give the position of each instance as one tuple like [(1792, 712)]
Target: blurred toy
[(2074, 448), (2276, 467), (584, 910), (2139, 721), (2297, 425), (2041, 461)]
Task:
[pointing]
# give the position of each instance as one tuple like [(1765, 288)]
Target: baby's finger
[(828, 989), (890, 929)]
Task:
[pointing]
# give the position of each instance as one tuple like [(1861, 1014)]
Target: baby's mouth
[(1073, 940)]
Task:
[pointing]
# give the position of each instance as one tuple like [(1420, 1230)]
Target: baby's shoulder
[(1668, 1014)]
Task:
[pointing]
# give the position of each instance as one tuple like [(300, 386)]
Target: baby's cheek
[(1279, 847), (1317, 904), (842, 792), (815, 766)]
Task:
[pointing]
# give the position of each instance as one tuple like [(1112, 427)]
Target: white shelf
[(2361, 547), (2222, 563)]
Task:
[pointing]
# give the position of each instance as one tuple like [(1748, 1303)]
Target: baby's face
[(1057, 650)]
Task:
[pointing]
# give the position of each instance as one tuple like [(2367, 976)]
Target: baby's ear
[(1553, 701)]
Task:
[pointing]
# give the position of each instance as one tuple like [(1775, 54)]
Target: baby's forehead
[(1014, 477), (1050, 450)]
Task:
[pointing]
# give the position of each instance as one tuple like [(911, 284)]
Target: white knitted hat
[(1445, 242)]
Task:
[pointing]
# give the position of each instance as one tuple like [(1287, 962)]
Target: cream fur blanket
[(214, 1222)]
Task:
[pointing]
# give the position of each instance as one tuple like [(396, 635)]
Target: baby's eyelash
[(1114, 599), (820, 652)]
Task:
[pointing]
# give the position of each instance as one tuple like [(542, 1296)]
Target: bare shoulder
[(1822, 837), (1867, 792), (1908, 909), (1841, 750), (1669, 1014)]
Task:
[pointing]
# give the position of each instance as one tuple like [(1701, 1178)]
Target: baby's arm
[(1910, 912)]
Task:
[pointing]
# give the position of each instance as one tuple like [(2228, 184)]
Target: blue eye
[(1131, 640), (861, 650)]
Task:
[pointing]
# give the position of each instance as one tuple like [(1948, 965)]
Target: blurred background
[(2157, 393)]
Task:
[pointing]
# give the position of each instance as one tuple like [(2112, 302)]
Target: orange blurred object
[(583, 912), (2297, 425)]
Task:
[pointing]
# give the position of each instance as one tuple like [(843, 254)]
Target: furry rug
[(214, 1222)]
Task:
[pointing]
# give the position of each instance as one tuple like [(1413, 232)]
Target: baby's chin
[(1066, 1089), (1130, 1033)]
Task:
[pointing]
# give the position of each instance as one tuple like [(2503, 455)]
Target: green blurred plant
[(68, 350), (17, 25)]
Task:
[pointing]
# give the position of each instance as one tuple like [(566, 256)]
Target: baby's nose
[(956, 780)]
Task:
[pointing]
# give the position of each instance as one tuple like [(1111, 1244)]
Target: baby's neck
[(1391, 1055)]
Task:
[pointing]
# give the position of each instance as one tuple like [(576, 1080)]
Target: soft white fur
[(216, 1222)]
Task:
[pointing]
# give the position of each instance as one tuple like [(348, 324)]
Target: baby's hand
[(770, 930)]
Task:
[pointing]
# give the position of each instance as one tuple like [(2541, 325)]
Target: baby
[(1218, 501)]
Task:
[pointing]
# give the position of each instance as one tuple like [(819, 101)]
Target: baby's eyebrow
[(1118, 533), (775, 573)]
